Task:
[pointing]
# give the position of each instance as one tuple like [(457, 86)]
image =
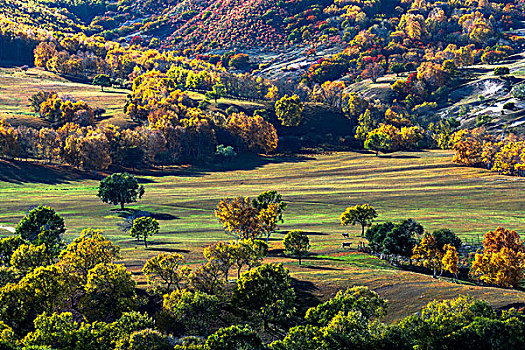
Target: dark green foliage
[(42, 225), (133, 157), (445, 236), (501, 70), (265, 293), (147, 339), (377, 234), (402, 238), (297, 243), (102, 80), (120, 188)]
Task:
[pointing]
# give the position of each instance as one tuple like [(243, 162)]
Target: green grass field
[(424, 186)]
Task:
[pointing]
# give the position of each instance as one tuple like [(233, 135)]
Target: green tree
[(357, 299), (8, 245), (235, 338), (362, 214), (222, 254), (120, 188), (289, 110), (147, 339), (165, 272), (378, 141), (297, 243), (402, 238), (266, 293), (432, 327), (187, 312), (28, 257), (376, 235), (299, 337), (271, 198), (445, 236), (102, 80), (42, 225), (109, 291), (144, 227), (248, 252)]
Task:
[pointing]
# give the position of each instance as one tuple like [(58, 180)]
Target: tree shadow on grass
[(130, 213), (168, 250), (18, 172), (276, 253), (319, 268)]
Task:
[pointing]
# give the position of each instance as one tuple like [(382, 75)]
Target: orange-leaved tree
[(502, 261)]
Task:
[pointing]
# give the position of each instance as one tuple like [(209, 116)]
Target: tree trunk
[(299, 260), (145, 242), (362, 230), (121, 205)]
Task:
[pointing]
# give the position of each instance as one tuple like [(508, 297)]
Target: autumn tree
[(362, 214), (254, 132), (239, 217), (289, 110), (271, 207), (428, 254), (502, 261), (297, 243), (120, 188), (165, 272), (85, 252), (450, 260), (144, 227)]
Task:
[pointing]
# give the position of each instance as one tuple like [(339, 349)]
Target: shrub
[(501, 71)]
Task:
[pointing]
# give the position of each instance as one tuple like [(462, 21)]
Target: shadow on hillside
[(26, 172), (305, 297), (168, 250), (318, 268)]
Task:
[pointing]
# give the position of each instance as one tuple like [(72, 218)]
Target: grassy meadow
[(424, 186)]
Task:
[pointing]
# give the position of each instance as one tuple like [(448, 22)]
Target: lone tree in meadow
[(297, 243), (289, 110), (143, 228), (120, 188), (362, 214), (102, 80)]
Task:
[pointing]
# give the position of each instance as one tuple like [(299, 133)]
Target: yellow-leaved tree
[(428, 254), (502, 261)]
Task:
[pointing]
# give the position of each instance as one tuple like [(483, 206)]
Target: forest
[(189, 174)]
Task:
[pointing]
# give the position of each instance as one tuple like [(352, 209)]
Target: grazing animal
[(346, 235), (346, 244)]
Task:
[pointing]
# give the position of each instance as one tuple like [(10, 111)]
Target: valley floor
[(425, 186)]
